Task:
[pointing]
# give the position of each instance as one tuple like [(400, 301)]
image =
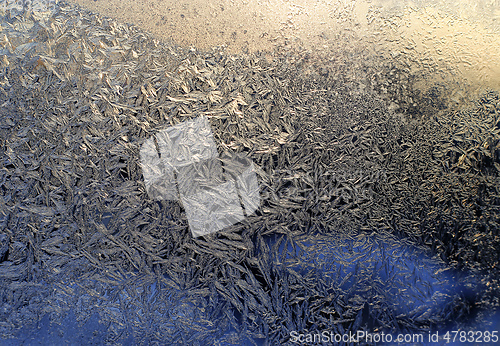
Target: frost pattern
[(188, 161), (378, 205)]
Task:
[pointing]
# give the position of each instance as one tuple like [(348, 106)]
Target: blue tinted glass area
[(248, 173)]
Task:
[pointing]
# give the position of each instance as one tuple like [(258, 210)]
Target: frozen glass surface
[(241, 169), (158, 177), (188, 163), (282, 168), (187, 143), (198, 176), (213, 209)]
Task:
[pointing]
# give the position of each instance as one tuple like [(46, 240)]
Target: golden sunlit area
[(249, 172)]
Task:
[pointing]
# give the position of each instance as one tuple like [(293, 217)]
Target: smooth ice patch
[(182, 163)]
